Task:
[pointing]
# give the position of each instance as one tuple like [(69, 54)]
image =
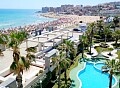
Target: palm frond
[(30, 56), (13, 67), (31, 49), (24, 63)]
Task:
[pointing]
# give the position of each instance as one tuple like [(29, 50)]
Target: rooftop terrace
[(43, 43)]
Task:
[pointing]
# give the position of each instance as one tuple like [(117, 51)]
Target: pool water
[(99, 65), (93, 78)]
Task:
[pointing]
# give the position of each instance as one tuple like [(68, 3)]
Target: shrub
[(41, 71), (103, 45), (97, 36)]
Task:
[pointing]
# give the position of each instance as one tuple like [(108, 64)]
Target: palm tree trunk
[(110, 83), (90, 49), (82, 53), (90, 44), (105, 39), (116, 43), (82, 50), (59, 77), (65, 77), (114, 28), (19, 81)]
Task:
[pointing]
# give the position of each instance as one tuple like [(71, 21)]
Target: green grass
[(68, 72), (100, 49), (118, 53)]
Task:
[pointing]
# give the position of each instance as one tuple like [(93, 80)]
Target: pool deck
[(75, 80), (74, 71), (117, 77)]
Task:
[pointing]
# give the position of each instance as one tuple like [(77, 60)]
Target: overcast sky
[(37, 4)]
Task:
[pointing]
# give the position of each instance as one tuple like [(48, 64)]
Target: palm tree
[(112, 65), (100, 26), (68, 47), (65, 63), (58, 61), (116, 36), (4, 39), (83, 41), (30, 54), (115, 21), (106, 32), (112, 25), (90, 33), (19, 62)]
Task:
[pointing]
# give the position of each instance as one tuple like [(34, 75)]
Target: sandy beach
[(75, 18)]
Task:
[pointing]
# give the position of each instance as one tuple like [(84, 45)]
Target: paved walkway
[(110, 57), (93, 50), (6, 60), (74, 75), (113, 52), (104, 53)]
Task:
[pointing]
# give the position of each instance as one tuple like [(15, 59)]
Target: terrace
[(44, 44)]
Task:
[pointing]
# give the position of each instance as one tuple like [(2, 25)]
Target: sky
[(38, 4)]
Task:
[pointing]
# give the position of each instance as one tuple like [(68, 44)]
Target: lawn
[(118, 53), (100, 49)]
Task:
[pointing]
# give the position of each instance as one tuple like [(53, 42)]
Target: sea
[(20, 17)]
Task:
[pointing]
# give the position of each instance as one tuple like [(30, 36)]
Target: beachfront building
[(45, 9), (45, 44), (115, 12), (83, 27)]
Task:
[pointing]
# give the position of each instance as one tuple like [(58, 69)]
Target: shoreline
[(62, 21)]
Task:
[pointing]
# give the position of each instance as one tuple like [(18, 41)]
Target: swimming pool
[(99, 65), (92, 77)]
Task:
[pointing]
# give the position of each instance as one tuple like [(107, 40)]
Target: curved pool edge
[(80, 82), (73, 75), (80, 86), (116, 81)]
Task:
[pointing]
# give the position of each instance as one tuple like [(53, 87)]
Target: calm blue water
[(92, 78), (99, 65), (19, 17)]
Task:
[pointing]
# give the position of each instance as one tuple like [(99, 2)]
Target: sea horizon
[(20, 17)]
